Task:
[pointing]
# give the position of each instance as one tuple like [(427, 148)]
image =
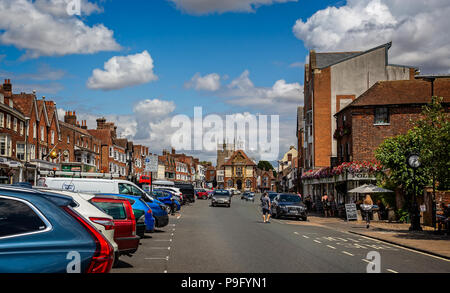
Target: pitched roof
[(25, 103), (248, 162), (401, 92), (326, 59)]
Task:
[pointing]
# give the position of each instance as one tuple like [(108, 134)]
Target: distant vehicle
[(249, 196), (40, 231), (187, 190), (166, 198), (221, 197), (124, 221), (288, 205), (201, 193), (173, 190)]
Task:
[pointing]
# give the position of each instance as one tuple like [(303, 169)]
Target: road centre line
[(332, 247), (305, 236), (347, 253), (392, 271), (317, 241)]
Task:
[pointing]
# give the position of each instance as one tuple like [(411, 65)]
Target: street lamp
[(414, 163)]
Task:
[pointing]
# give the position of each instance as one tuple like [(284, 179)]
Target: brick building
[(332, 81), (386, 110), (83, 148), (113, 153), (12, 137)]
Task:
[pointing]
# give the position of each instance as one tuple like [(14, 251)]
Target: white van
[(91, 185)]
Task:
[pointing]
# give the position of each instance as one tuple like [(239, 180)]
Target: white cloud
[(418, 29), (220, 6), (210, 82), (241, 91), (123, 71), (58, 8), (29, 26)]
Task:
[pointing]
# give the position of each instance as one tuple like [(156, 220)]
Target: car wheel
[(305, 218)]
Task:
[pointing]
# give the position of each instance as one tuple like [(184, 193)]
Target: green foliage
[(434, 130), (393, 154), (265, 165), (402, 216)]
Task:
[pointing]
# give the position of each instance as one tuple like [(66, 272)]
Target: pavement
[(205, 239)]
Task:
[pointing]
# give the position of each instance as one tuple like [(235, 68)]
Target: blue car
[(139, 204), (160, 212), (166, 198), (41, 233)]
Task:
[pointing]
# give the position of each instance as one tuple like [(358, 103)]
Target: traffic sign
[(151, 163)]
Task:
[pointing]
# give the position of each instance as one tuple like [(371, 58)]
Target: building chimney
[(70, 118), (84, 124), (7, 88), (101, 123)]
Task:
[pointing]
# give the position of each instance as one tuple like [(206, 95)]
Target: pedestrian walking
[(266, 206), (326, 205)]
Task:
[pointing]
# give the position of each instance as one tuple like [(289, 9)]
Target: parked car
[(124, 221), (139, 215), (157, 209), (176, 193), (201, 193), (187, 190), (102, 221), (166, 197), (41, 232), (288, 205), (221, 197), (107, 186)]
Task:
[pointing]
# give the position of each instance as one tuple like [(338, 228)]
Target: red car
[(124, 222), (201, 193)]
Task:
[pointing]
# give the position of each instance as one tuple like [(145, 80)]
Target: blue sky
[(181, 45), (249, 56)]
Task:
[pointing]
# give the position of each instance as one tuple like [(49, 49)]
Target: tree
[(393, 154), (265, 165), (434, 130)]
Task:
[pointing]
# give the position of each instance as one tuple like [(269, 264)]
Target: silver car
[(221, 197)]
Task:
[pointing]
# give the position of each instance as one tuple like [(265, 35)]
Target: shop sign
[(351, 211)]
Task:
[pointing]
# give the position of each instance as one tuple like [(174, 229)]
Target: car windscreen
[(272, 195), (221, 193), (289, 198), (114, 209)]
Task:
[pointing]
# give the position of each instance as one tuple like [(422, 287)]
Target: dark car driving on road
[(288, 205), (221, 197)]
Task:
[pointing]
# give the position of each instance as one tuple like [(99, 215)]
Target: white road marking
[(157, 258), (332, 247), (367, 261), (347, 253), (305, 236), (353, 240), (392, 271), (158, 247), (178, 217), (163, 240), (165, 272), (317, 241), (296, 233)]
